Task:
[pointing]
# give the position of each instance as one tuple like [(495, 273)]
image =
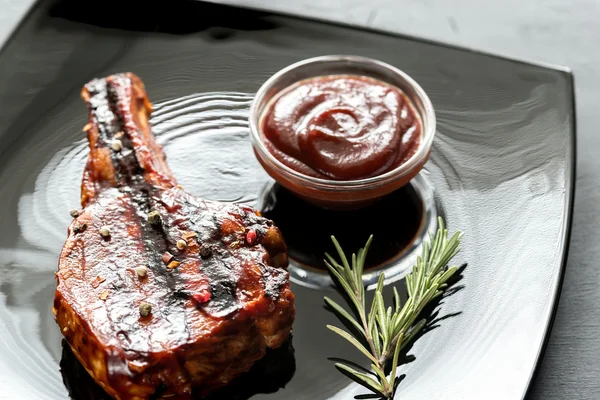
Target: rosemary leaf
[(357, 277), (353, 365), (447, 275), (368, 396), (340, 253), (372, 313), (353, 341), (397, 302), (375, 338), (381, 318), (351, 294), (333, 263), (379, 372), (340, 311), (395, 359), (380, 283), (362, 379), (364, 252)]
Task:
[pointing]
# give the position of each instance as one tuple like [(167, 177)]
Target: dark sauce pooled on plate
[(393, 220)]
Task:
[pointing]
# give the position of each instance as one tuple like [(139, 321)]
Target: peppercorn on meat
[(158, 291)]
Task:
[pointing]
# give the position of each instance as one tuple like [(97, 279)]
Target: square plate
[(502, 167)]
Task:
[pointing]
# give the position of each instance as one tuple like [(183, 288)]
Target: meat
[(159, 291)]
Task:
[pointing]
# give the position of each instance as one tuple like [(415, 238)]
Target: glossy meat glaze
[(158, 291)]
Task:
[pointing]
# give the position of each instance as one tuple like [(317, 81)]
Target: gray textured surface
[(554, 31)]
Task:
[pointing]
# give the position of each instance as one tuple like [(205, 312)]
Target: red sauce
[(341, 127)]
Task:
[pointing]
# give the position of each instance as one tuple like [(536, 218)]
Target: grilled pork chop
[(158, 291)]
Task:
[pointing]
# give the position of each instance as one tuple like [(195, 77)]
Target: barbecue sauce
[(341, 127), (394, 222)]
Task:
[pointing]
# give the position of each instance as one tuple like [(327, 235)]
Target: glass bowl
[(336, 194)]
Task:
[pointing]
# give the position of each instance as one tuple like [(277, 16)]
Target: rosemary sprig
[(383, 331)]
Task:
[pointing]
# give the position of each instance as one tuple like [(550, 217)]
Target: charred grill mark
[(273, 279), (103, 103), (106, 120), (223, 285), (156, 242), (125, 160), (111, 304), (205, 224), (101, 110), (216, 266), (121, 315)]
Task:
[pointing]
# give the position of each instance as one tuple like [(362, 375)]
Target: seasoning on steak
[(159, 291)]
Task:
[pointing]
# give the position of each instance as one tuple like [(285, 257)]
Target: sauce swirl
[(341, 127)]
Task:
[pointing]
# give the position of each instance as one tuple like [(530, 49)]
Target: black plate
[(502, 170)]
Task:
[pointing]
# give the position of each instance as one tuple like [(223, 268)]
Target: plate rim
[(571, 182), (498, 55)]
